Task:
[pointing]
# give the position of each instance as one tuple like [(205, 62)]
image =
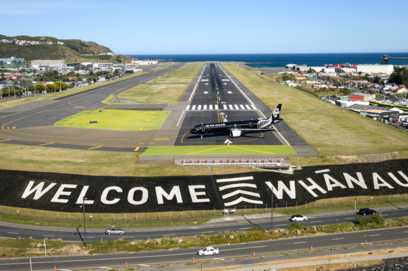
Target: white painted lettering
[(38, 190), (82, 196), (104, 196), (131, 196), (61, 192), (310, 188), (331, 182), (377, 185), (398, 181), (175, 192), (350, 180), (282, 187), (194, 193)]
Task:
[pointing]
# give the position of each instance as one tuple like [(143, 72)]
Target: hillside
[(72, 48)]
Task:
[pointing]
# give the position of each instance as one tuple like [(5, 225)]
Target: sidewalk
[(229, 220)]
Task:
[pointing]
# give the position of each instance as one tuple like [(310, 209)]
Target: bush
[(295, 226), (120, 240), (377, 219), (362, 221)]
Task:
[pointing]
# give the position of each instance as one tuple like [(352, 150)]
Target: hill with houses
[(31, 48)]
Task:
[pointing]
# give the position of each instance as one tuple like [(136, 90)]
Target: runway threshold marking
[(47, 144), (95, 147)]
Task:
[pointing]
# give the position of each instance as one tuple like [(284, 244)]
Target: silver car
[(115, 231)]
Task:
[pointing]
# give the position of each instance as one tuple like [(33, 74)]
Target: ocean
[(280, 60)]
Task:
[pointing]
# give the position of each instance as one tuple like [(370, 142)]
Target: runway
[(216, 95)]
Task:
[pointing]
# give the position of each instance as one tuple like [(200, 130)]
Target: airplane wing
[(247, 129)]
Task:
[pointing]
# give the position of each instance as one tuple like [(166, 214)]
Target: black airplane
[(237, 128)]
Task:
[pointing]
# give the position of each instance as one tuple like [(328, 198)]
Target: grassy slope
[(329, 129), (183, 75), (51, 96)]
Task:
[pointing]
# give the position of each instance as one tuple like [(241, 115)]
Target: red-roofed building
[(71, 77), (353, 99), (300, 76), (402, 86)]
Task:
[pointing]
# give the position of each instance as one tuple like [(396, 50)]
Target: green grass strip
[(220, 150), (119, 120)]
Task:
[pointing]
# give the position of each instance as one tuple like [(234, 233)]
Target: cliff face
[(70, 49)]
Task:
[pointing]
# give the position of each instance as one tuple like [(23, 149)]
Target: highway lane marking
[(337, 239), (195, 228), (375, 235), (169, 235), (299, 243), (49, 235), (12, 232), (281, 225), (349, 218), (144, 265), (316, 221)]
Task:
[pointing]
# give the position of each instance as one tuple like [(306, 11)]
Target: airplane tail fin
[(276, 113)]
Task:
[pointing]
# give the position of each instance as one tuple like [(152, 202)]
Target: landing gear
[(201, 136)]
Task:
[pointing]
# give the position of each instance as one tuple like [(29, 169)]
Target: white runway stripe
[(211, 106), (225, 106), (199, 107), (188, 107), (253, 106), (230, 106), (236, 106), (216, 106), (205, 107), (242, 106), (248, 107), (194, 107)]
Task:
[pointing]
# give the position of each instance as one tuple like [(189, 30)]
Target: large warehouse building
[(387, 69)]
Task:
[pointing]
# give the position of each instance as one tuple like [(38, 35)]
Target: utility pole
[(83, 210)]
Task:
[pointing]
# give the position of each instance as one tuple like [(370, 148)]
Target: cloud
[(43, 7)]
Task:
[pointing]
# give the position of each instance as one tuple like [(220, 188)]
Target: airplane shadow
[(246, 135)]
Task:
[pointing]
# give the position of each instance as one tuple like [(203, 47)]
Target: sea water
[(280, 60)]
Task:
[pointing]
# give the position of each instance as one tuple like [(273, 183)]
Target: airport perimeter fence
[(353, 202)]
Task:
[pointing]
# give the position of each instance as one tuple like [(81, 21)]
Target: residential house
[(353, 98)]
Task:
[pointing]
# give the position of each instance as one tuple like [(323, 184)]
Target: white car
[(115, 231), (208, 251), (298, 218)]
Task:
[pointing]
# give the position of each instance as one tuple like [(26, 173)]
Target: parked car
[(405, 125), (208, 251), (115, 231), (298, 218), (366, 211)]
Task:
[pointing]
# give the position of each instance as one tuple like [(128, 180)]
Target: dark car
[(366, 211)]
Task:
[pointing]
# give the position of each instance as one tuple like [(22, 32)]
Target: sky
[(215, 26)]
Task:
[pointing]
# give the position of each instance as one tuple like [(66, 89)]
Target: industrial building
[(57, 64), (370, 69)]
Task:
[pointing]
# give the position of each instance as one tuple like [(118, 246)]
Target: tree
[(377, 79), (40, 87), (91, 73), (399, 76), (60, 85), (50, 87)]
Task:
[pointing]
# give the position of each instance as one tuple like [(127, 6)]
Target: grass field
[(329, 129), (120, 120), (96, 163), (153, 94), (183, 75), (55, 95), (220, 150)]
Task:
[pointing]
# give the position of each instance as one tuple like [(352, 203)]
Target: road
[(67, 234), (186, 255)]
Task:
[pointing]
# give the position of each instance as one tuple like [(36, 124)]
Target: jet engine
[(235, 133)]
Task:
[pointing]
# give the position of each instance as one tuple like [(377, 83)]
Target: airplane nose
[(192, 131)]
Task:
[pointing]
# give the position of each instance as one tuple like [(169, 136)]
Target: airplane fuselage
[(217, 127)]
